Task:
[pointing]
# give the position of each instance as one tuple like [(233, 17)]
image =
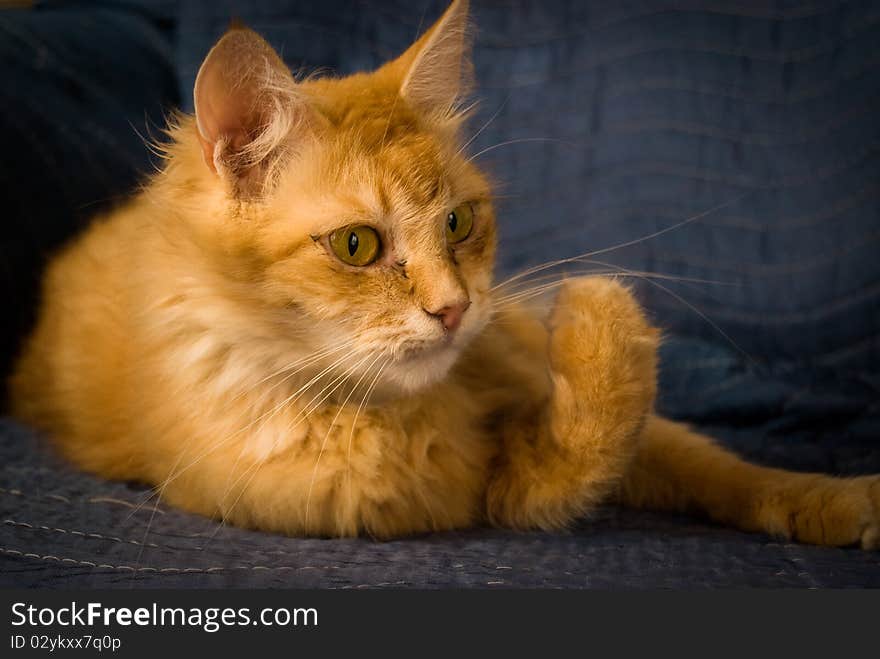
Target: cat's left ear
[(249, 112), (439, 70)]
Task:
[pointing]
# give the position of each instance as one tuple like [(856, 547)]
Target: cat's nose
[(450, 315)]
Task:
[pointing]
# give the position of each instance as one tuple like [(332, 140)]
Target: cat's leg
[(678, 469), (562, 459)]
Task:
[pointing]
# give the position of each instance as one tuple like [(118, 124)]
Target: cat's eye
[(459, 223), (355, 245)]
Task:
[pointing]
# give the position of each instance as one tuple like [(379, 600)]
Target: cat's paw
[(599, 330), (827, 511)]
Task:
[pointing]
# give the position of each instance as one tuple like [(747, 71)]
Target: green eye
[(357, 245), (459, 224)]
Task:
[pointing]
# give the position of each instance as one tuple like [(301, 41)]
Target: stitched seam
[(93, 500), (130, 568), (244, 547), (84, 534), (41, 527)]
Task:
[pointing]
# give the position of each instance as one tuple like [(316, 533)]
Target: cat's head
[(354, 208)]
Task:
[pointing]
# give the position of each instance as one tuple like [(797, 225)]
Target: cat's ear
[(248, 110), (439, 71)]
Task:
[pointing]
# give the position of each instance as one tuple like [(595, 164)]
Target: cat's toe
[(597, 323), (828, 511), (871, 534), (596, 299), (603, 348)]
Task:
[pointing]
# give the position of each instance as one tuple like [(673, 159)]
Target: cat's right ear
[(438, 66), (248, 111)]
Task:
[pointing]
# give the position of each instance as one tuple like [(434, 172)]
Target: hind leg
[(558, 462), (678, 469)]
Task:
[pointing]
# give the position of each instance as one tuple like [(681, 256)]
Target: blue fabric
[(59, 529), (79, 89), (633, 117)]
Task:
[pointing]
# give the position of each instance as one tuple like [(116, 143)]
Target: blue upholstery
[(757, 119), (79, 85)]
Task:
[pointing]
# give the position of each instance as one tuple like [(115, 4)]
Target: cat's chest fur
[(426, 455)]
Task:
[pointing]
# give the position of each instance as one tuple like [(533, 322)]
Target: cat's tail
[(678, 469)]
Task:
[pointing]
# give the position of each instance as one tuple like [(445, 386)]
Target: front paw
[(600, 336)]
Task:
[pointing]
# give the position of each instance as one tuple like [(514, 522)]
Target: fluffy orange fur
[(205, 337)]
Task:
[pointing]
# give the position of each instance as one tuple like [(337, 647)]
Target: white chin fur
[(417, 373)]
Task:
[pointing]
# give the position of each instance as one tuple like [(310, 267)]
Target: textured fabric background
[(626, 118), (59, 529), (79, 83)]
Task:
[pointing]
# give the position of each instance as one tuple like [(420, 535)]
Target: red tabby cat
[(293, 327)]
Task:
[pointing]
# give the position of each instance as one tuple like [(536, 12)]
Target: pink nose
[(451, 314)]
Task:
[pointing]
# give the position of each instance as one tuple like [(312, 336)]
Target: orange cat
[(293, 327)]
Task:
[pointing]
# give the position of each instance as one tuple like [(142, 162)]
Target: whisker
[(706, 318), (537, 290), (622, 271), (687, 281), (270, 413), (330, 429), (311, 406), (484, 126), (520, 141), (259, 430), (255, 468), (587, 272), (558, 278), (354, 424), (629, 243), (304, 363), (692, 307)]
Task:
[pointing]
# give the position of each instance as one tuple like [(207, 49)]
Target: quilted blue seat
[(735, 145)]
